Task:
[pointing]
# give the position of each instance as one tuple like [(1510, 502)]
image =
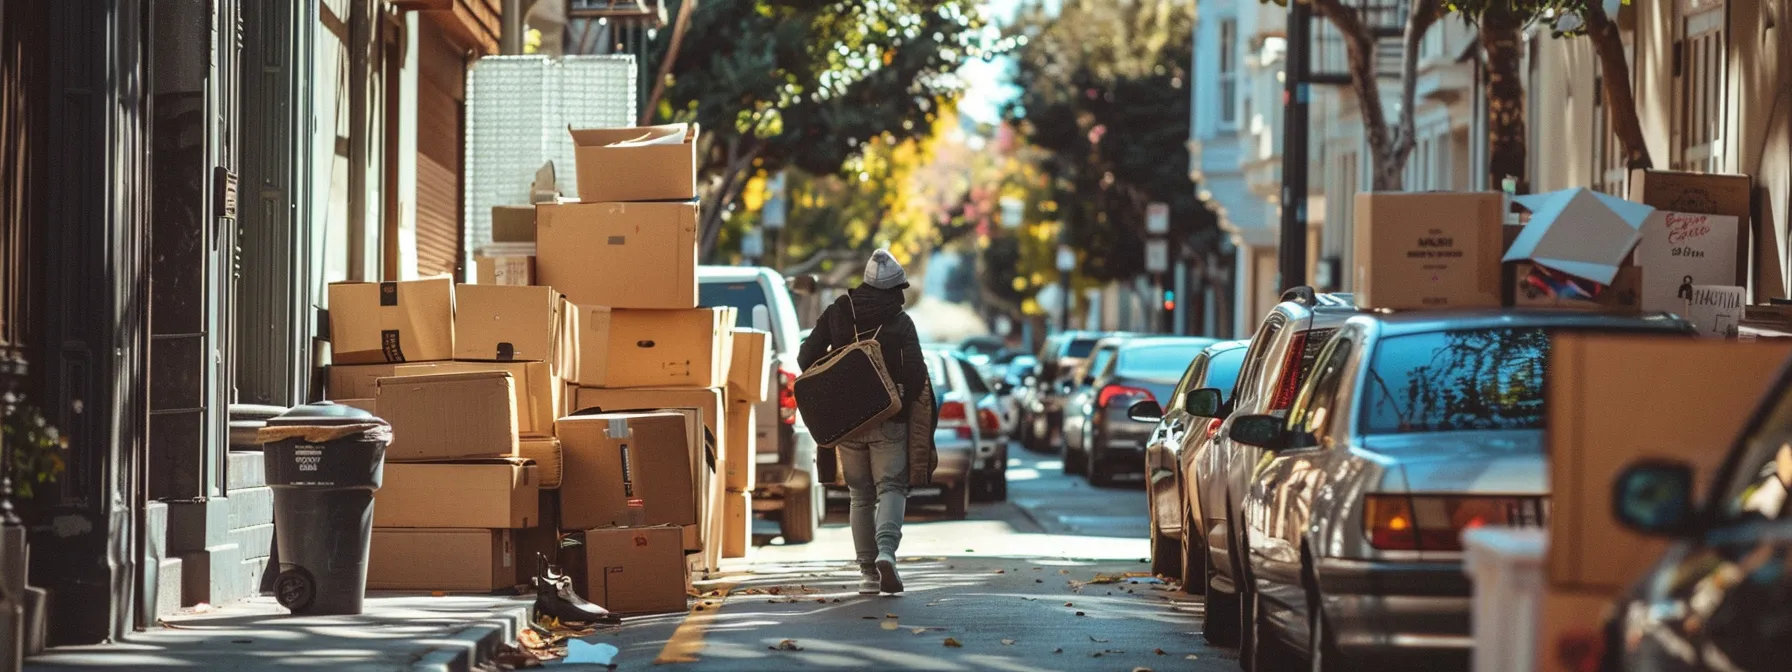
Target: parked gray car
[(1079, 402), (1182, 433), (1142, 369), (1411, 428)]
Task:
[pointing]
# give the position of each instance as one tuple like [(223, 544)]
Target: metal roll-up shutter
[(441, 92)]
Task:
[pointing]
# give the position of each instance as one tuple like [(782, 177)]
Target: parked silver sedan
[(1142, 369), (1411, 428)]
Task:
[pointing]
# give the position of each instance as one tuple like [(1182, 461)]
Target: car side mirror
[(1145, 410), (1262, 431), (1204, 402), (1654, 497)]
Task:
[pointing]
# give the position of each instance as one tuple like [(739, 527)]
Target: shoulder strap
[(856, 334)]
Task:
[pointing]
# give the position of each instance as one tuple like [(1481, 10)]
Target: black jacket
[(878, 311)]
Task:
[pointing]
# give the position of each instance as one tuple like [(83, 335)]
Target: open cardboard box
[(1687, 401)]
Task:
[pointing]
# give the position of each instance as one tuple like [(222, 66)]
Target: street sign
[(1012, 209), (752, 245), (773, 214), (1157, 256), (1066, 259), (1157, 219)]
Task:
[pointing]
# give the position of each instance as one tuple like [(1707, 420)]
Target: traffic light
[(1169, 300)]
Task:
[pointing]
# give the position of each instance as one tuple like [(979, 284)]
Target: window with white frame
[(1228, 73), (1700, 95)]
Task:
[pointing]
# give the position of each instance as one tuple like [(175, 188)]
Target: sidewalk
[(398, 631)]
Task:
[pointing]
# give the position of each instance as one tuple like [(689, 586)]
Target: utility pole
[(1296, 94)]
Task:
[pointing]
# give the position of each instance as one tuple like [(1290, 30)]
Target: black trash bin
[(323, 462)]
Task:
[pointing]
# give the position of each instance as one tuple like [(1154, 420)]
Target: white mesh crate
[(518, 110)]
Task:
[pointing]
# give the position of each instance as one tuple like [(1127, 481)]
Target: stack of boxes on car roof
[(576, 393), (1677, 245)]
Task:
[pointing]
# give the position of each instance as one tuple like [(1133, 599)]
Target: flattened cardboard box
[(381, 322), (508, 324), (647, 163), (655, 348), (493, 494), (548, 457), (1428, 250), (621, 255), (737, 524), (636, 571), (449, 416), (537, 389), (628, 469), (1702, 193), (442, 559), (750, 370)]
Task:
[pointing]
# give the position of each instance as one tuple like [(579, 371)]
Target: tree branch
[(666, 63)]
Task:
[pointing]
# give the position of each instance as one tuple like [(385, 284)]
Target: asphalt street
[(1053, 579)]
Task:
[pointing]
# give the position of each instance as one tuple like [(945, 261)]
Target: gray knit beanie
[(882, 272)]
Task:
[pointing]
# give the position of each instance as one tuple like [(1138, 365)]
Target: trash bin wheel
[(295, 589)]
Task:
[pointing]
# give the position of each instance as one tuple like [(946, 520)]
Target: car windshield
[(1763, 476), (1157, 361), (1479, 379), (744, 295), (1099, 363), (1222, 369), (1079, 348)]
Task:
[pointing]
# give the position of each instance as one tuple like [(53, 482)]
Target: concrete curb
[(476, 645)]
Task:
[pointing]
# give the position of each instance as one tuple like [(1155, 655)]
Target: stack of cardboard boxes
[(598, 402)]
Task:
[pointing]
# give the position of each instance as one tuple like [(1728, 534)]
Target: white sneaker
[(868, 581), (886, 570)]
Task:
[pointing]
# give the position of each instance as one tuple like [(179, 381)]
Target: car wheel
[(1264, 651), (1166, 554), (1075, 464), (990, 486), (1224, 610), (800, 516), (1322, 645), (1194, 557), (1100, 472), (958, 498)]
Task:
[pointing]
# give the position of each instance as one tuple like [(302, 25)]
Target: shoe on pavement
[(886, 570), (868, 581)]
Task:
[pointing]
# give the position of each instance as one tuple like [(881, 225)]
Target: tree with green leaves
[(806, 84)]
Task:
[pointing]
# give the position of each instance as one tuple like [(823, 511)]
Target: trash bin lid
[(323, 413)]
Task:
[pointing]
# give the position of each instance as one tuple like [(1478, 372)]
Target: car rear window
[(1157, 361), (972, 379), (1080, 348), (1479, 379), (744, 295)]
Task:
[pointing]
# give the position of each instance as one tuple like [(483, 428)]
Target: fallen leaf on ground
[(1058, 650), (1038, 568), (869, 618), (918, 630), (821, 600), (890, 625), (1097, 654), (1080, 613), (1159, 652), (1097, 640), (953, 643), (1191, 657), (1001, 571), (1141, 669), (1038, 580), (889, 615), (786, 645), (1067, 604), (1064, 571), (1007, 642)]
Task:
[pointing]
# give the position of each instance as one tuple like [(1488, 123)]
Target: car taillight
[(1110, 392), (1435, 523), (987, 420), (1289, 383), (787, 396), (952, 415), (1213, 427)]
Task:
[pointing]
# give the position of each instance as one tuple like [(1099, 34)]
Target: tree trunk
[(1620, 101), (666, 62), (715, 203), (1389, 146), (1500, 28)]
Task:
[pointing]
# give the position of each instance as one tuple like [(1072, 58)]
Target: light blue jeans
[(875, 464)]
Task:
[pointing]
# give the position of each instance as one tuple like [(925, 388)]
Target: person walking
[(880, 462)]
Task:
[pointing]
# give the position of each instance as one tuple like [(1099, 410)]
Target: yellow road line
[(687, 640)]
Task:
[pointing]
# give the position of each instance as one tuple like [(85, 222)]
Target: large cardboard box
[(449, 416), (709, 446), (1680, 250), (626, 469), (737, 524), (549, 459), (621, 255), (741, 439), (513, 223), (508, 324), (507, 270), (655, 348), (471, 494), (440, 559), (1428, 250), (375, 322), (636, 570), (1535, 287), (1700, 193), (750, 371), (359, 381), (537, 389), (649, 163)]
